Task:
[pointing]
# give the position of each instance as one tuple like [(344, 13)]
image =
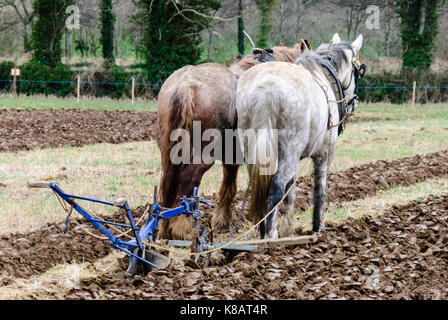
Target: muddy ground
[(31, 129), (366, 180), (26, 254), (399, 255)]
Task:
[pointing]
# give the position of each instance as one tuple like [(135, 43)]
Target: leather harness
[(358, 71), (339, 92), (327, 63)]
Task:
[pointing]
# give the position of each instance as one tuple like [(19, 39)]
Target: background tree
[(24, 15), (48, 30), (171, 36), (266, 8), (240, 29), (87, 39), (418, 30), (107, 19)]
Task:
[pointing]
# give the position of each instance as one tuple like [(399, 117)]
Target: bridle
[(263, 55), (358, 72)]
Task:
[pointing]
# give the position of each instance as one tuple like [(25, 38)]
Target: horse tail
[(261, 169), (182, 104)]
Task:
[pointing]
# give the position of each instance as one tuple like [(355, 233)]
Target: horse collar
[(342, 108)]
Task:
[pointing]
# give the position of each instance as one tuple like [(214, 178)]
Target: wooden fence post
[(133, 90), (78, 91), (15, 72), (413, 94), (14, 85)]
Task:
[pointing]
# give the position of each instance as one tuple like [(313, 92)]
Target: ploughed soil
[(367, 179), (30, 129), (399, 255), (26, 254)]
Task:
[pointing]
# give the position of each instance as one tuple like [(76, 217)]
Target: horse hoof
[(219, 223), (320, 232), (286, 232), (273, 235)]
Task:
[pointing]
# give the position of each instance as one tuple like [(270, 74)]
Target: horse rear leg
[(287, 226), (287, 168), (320, 190), (180, 227), (223, 215)]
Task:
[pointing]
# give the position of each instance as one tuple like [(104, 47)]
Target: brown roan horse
[(204, 93)]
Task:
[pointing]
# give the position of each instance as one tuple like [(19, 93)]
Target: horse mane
[(287, 54), (310, 60), (243, 65), (281, 53), (335, 52)]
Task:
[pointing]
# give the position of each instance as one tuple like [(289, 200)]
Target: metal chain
[(343, 121), (329, 142), (240, 214)]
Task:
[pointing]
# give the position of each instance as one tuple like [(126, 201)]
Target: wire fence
[(160, 84), (86, 82), (397, 93)]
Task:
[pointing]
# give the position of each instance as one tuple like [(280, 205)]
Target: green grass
[(404, 111), (45, 102)]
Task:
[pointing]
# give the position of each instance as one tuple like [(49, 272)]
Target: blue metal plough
[(141, 260)]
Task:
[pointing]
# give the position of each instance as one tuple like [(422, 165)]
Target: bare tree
[(24, 13), (87, 37), (355, 13)]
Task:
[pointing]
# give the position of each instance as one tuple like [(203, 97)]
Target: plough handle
[(37, 184)]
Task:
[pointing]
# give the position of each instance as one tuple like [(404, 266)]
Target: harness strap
[(342, 108)]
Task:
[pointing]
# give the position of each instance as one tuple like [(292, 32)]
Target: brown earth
[(366, 180), (30, 129), (356, 118), (399, 255), (26, 254)]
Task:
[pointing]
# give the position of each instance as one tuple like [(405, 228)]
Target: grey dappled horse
[(300, 101)]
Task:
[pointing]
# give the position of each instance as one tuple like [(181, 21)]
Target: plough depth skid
[(141, 260)]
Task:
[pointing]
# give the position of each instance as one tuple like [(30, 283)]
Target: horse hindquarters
[(179, 108)]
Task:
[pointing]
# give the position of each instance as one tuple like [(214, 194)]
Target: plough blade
[(138, 267), (159, 260)]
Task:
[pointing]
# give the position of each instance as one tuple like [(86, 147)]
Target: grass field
[(45, 102), (131, 170)]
